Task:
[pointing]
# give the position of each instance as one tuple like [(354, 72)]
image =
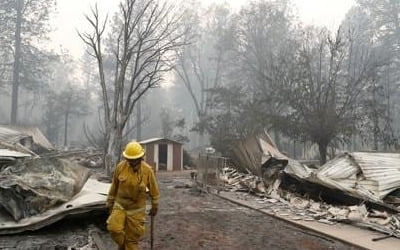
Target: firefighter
[(127, 197)]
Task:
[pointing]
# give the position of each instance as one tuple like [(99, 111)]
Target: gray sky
[(329, 13), (70, 17)]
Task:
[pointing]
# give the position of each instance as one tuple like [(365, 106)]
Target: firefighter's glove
[(153, 210)]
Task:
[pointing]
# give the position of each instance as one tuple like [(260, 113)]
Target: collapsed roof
[(7, 156), (369, 176), (32, 186), (256, 151), (359, 188), (38, 189), (25, 139), (365, 175), (92, 197)]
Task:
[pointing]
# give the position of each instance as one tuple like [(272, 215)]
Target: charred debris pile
[(358, 188), (39, 184)]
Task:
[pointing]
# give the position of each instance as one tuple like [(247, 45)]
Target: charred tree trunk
[(323, 148), (277, 139), (113, 151), (66, 129), (375, 118), (294, 149), (17, 63)]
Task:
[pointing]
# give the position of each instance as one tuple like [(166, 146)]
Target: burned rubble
[(30, 187), (356, 188), (40, 185)]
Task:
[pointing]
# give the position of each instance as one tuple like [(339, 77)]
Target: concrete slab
[(346, 233)]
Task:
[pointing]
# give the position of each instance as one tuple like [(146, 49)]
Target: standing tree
[(60, 107), (6, 50), (172, 128), (246, 100), (227, 121), (23, 23), (145, 36), (51, 120), (322, 97), (378, 21), (72, 102), (265, 29), (201, 64), (384, 19), (63, 101)]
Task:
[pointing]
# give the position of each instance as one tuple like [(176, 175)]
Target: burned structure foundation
[(360, 188)]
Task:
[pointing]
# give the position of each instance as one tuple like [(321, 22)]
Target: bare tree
[(201, 65), (144, 39)]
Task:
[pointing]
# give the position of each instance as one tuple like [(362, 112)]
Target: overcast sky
[(70, 17)]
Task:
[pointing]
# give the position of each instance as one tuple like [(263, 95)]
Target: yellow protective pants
[(126, 227)]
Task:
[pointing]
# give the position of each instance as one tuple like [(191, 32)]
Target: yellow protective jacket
[(128, 188), (127, 198)]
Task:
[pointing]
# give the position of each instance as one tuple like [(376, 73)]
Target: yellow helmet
[(133, 150)]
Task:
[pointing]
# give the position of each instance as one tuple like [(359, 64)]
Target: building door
[(162, 156)]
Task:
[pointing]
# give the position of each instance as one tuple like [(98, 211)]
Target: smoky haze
[(318, 83)]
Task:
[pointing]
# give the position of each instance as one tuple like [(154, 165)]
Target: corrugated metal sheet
[(298, 170), (34, 132), (384, 168), (369, 176), (11, 135), (339, 168), (11, 153), (366, 175), (252, 152), (92, 197)]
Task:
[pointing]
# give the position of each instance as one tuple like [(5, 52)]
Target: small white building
[(163, 154)]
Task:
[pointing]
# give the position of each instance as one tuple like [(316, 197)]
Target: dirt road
[(187, 220), (192, 220)]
